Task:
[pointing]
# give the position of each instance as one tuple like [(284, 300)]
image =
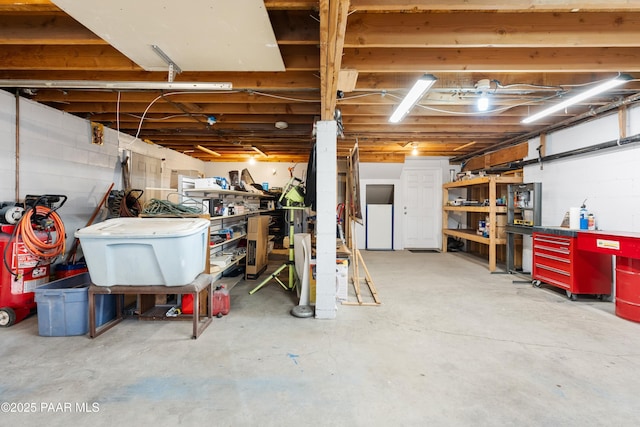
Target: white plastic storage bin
[(145, 251)]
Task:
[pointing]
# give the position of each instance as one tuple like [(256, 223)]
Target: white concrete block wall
[(57, 157), (173, 160), (608, 179), (7, 146)]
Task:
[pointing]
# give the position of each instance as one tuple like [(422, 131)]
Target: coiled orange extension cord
[(52, 246)]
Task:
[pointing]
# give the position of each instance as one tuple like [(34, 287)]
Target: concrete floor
[(450, 345)]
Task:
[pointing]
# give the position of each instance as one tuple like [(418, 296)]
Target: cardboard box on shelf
[(257, 241)]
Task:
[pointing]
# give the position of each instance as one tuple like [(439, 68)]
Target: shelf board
[(499, 209), (235, 261), (471, 235), (250, 213), (233, 239), (223, 192), (483, 181)]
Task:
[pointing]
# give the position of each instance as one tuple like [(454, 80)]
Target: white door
[(421, 208)]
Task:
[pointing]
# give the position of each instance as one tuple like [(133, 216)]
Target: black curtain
[(310, 180)]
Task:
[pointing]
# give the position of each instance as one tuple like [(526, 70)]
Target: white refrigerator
[(379, 221)]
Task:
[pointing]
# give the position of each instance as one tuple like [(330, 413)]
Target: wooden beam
[(493, 60), (38, 57), (496, 6), (334, 12), (622, 121), (392, 128), (27, 6), (212, 109), (303, 119), (500, 157), (50, 29), (295, 27), (473, 29), (368, 81)]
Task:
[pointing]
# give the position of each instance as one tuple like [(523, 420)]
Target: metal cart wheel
[(536, 283), (572, 297), (7, 317)]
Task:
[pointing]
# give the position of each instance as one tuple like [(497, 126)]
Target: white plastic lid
[(144, 227)]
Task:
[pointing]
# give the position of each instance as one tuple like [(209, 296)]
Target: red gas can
[(221, 302), (20, 273)]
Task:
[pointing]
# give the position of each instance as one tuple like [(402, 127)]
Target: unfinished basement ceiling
[(198, 35), (353, 59)]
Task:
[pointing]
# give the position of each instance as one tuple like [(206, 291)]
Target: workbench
[(146, 303), (625, 246), (580, 262)]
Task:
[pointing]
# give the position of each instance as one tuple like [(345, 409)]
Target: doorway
[(379, 216), (421, 210)]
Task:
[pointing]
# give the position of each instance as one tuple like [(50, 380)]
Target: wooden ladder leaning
[(357, 260)]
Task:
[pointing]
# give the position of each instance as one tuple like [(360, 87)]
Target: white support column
[(326, 197)]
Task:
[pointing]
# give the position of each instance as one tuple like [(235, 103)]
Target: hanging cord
[(7, 252), (130, 204)]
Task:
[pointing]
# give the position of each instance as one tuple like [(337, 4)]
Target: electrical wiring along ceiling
[(521, 56)]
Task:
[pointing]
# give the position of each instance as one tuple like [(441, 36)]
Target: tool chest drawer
[(558, 262)]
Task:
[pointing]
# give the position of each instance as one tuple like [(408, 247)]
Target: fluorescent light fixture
[(621, 79), (483, 102), (206, 150), (417, 91), (259, 151), (98, 84)]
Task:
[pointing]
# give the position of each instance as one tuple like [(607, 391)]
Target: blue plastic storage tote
[(63, 307)]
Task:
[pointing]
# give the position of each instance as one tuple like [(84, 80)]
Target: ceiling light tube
[(99, 84), (206, 150), (417, 91), (259, 151), (621, 79)]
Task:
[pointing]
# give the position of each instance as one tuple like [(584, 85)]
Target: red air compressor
[(27, 248)]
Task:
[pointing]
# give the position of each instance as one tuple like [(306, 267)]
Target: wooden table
[(203, 281)]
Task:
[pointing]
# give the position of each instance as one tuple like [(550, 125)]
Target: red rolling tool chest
[(558, 262)]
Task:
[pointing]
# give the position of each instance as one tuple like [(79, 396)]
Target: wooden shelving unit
[(237, 222), (488, 185)]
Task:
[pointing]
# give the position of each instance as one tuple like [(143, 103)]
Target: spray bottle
[(584, 221)]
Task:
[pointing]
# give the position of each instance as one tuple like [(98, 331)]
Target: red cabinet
[(558, 262)]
